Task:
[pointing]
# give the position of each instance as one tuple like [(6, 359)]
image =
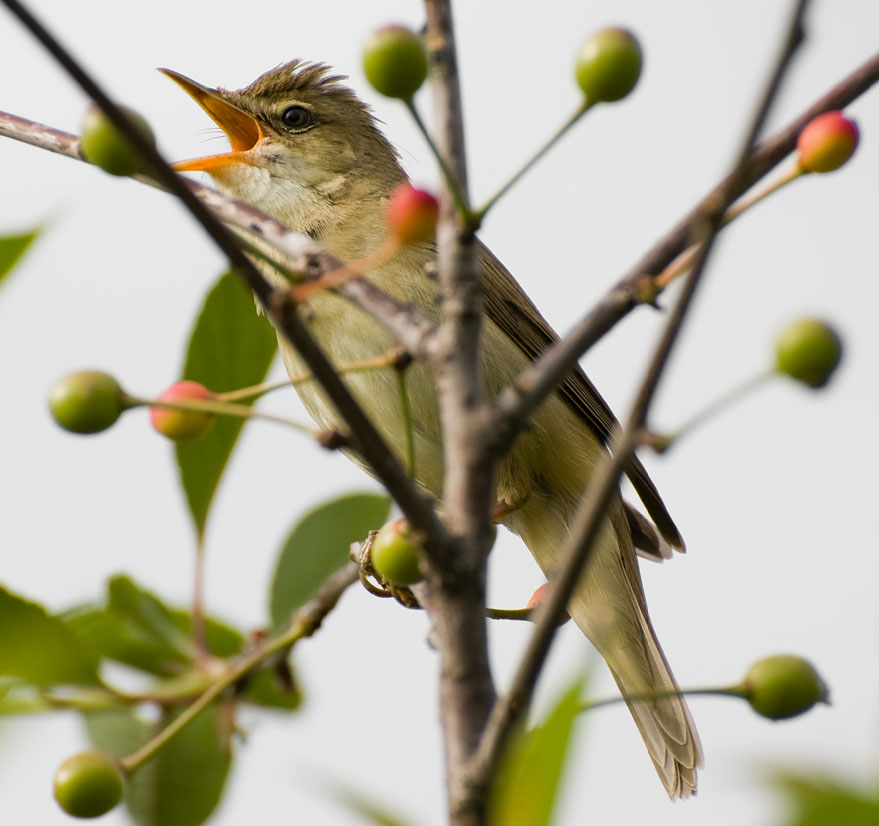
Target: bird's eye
[(297, 117)]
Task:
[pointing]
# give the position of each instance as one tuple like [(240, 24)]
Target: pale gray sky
[(775, 499)]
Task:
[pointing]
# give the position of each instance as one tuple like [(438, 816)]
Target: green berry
[(105, 146), (783, 686), (608, 65), (395, 62), (88, 784), (86, 402), (827, 142), (808, 350), (182, 425), (394, 556), (412, 214)]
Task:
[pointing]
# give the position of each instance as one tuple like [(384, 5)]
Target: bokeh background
[(776, 498)]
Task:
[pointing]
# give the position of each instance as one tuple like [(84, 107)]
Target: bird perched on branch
[(308, 152)]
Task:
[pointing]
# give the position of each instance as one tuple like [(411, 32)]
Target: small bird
[(308, 152)]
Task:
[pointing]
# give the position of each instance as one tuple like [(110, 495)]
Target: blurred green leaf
[(12, 247), (528, 783), (38, 647), (822, 801), (273, 689), (230, 347), (318, 545), (17, 698), (183, 783), (138, 629), (222, 640), (369, 810), (147, 618)]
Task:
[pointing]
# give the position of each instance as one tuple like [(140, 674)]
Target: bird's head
[(304, 148)]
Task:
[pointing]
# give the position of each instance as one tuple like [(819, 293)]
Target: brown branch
[(365, 437), (455, 590), (510, 709)]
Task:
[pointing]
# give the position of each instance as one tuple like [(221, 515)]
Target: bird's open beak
[(241, 128)]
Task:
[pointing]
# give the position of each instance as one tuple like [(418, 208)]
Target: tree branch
[(455, 590)]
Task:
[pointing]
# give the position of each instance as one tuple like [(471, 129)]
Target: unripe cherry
[(808, 350), (182, 425), (783, 686), (608, 65), (412, 214), (827, 142), (538, 596), (88, 401), (394, 556), (105, 146), (88, 784), (395, 62)]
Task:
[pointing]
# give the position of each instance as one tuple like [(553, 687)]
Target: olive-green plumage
[(317, 161)]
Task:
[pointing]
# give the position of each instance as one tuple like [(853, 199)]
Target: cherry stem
[(346, 272), (684, 261), (449, 177), (661, 442), (648, 697), (199, 626), (257, 391), (509, 613), (580, 111), (218, 408)]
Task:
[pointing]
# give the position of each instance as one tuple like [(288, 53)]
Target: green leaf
[(38, 647), (231, 347), (822, 801), (273, 689), (145, 618), (318, 545), (184, 781), (134, 629), (367, 808), (12, 247), (527, 785)]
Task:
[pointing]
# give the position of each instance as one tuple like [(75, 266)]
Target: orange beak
[(242, 129)]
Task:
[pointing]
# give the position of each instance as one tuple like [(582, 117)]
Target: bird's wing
[(507, 305)]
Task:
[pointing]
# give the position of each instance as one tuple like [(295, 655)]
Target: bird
[(306, 150)]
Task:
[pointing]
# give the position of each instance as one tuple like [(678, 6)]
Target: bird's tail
[(640, 668), (608, 606)]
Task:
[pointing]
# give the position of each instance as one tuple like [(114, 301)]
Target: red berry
[(827, 142), (86, 402), (412, 214), (182, 425), (608, 65), (394, 556), (88, 784), (395, 62), (538, 596)]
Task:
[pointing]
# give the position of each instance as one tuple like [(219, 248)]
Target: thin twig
[(510, 708), (304, 624)]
